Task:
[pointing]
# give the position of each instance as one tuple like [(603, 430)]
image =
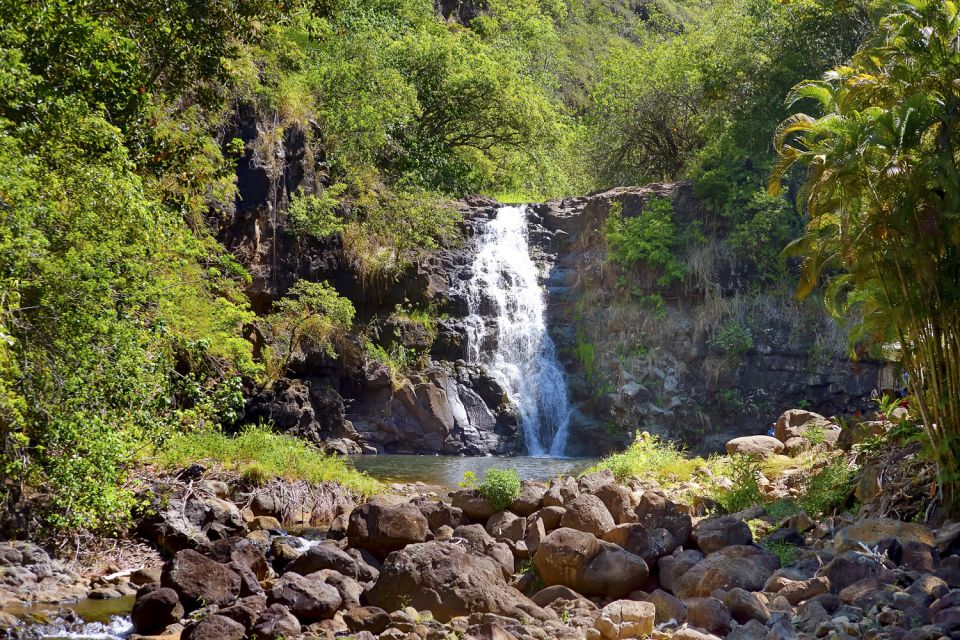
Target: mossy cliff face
[(715, 355)]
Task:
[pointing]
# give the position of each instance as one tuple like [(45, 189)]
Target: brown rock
[(872, 531), (156, 610), (473, 503), (530, 499), (307, 598), (713, 534), (579, 560), (758, 446), (214, 627), (637, 540), (668, 606), (656, 511), (200, 581), (625, 619), (616, 498), (382, 529), (708, 613), (371, 619), (734, 566), (588, 513), (745, 606), (276, 622)]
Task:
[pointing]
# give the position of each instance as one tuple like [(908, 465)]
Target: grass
[(259, 454), (651, 457), (517, 197)]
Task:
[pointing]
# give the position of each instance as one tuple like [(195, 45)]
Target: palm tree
[(882, 192)]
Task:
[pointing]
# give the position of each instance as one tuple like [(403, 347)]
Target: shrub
[(315, 215), (829, 489), (650, 238), (745, 474), (650, 457), (733, 340), (260, 454), (501, 487)]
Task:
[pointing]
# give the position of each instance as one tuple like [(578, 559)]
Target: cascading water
[(517, 347)]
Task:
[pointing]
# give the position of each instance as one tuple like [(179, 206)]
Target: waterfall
[(514, 342)]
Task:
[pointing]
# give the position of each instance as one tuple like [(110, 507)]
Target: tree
[(882, 192)]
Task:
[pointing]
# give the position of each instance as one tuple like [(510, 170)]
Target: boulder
[(240, 550), (507, 526), (444, 515), (581, 561), (745, 606), (668, 607), (155, 610), (710, 614), (214, 627), (551, 517), (324, 556), (530, 499), (796, 422), (797, 591), (713, 534), (759, 446), (637, 540), (587, 513), (673, 566), (348, 588), (382, 529), (851, 566), (372, 619), (656, 511), (873, 531), (448, 580), (547, 595), (187, 524), (309, 598), (200, 581), (591, 482), (561, 491), (625, 619), (616, 498), (473, 503), (736, 566), (245, 610), (275, 623)]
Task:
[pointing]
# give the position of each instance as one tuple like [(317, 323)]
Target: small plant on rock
[(501, 487), (830, 489), (745, 475)]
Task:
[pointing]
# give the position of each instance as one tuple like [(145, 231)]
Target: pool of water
[(447, 471), (93, 620)]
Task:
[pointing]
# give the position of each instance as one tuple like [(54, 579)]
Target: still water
[(447, 471)]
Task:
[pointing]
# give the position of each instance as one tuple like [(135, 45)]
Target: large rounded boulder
[(381, 529), (656, 511), (587, 513), (200, 581), (590, 566), (741, 566), (713, 534), (449, 581)]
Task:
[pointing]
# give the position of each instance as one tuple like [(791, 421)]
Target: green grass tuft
[(650, 457), (260, 454)]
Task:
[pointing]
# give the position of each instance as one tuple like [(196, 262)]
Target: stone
[(581, 561), (625, 619), (200, 581), (759, 446), (530, 499), (187, 524), (155, 611), (672, 567), (505, 525), (708, 613), (324, 556), (449, 580), (308, 598), (795, 423), (797, 591), (668, 606), (591, 482), (444, 515), (275, 622), (348, 588), (264, 523), (145, 575), (745, 606), (637, 540), (547, 595), (487, 631), (851, 566), (240, 550), (656, 511), (245, 610), (214, 627), (713, 534), (473, 503), (550, 516), (616, 498), (372, 619), (587, 513), (382, 529), (730, 567), (873, 531)]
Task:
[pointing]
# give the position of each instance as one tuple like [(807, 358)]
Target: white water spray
[(517, 348)]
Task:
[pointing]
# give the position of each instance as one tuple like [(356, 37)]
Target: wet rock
[(448, 580), (579, 560), (587, 513), (382, 529), (309, 599), (200, 581), (713, 534), (154, 611)]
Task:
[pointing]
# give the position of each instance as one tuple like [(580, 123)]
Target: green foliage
[(397, 357), (311, 316), (586, 353), (650, 238), (785, 551), (782, 509), (744, 472), (261, 454), (501, 487), (316, 215), (830, 489), (469, 480), (881, 179), (732, 341), (650, 457)]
